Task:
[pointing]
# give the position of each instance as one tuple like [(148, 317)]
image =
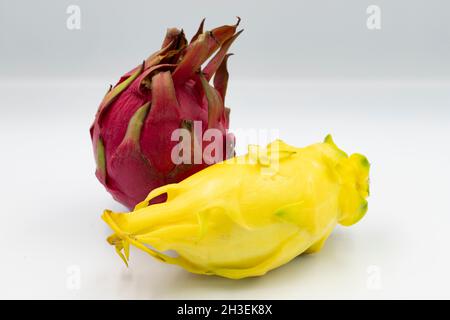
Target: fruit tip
[(211, 34), (239, 32)]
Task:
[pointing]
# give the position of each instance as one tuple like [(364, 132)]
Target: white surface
[(51, 201)]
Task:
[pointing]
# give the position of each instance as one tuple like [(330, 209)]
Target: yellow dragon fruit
[(249, 214)]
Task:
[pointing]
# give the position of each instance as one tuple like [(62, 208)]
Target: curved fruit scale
[(249, 214)]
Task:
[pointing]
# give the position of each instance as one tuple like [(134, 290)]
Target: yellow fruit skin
[(249, 214)]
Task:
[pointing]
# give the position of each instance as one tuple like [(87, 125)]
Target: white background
[(306, 72)]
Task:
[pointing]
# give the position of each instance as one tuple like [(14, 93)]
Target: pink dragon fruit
[(132, 130)]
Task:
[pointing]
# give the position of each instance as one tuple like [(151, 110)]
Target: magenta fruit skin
[(131, 133)]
